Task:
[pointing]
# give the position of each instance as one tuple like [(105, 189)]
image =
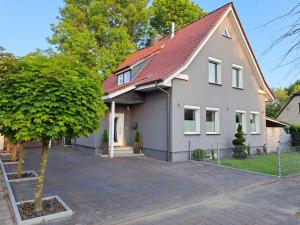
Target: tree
[(273, 107), (164, 12), (8, 62), (54, 95), (293, 88), (239, 150), (102, 33)]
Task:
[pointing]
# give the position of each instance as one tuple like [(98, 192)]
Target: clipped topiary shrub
[(199, 154), (294, 130), (239, 150)]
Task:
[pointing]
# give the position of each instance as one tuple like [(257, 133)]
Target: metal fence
[(258, 159)]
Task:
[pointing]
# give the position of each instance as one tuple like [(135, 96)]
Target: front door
[(119, 129)]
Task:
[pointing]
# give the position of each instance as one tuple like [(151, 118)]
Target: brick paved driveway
[(138, 190)]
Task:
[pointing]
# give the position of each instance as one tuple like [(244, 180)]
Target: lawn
[(290, 163)]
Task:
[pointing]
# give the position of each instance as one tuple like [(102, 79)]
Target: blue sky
[(25, 25)]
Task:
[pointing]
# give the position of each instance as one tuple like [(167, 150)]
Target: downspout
[(168, 119)]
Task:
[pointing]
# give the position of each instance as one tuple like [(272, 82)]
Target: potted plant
[(137, 143), (105, 142)]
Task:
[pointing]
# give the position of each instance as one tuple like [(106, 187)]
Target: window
[(124, 78), (299, 107), (254, 122), (120, 79), (240, 118), (237, 76), (226, 33), (191, 120), (212, 121), (214, 71)]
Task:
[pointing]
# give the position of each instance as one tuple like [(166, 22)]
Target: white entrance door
[(119, 129)]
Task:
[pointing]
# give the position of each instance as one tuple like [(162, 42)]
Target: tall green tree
[(273, 107), (102, 33), (53, 96), (8, 62), (164, 12)]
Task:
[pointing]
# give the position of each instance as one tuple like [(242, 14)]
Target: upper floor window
[(237, 76), (254, 122), (124, 78), (191, 120), (214, 71)]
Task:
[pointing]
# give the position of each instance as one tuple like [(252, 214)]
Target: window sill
[(238, 88), (191, 133), (212, 133), (217, 84), (255, 133)]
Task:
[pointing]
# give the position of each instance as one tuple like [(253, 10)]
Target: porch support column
[(112, 129)]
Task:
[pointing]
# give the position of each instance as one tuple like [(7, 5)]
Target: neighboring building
[(290, 112), (187, 91)]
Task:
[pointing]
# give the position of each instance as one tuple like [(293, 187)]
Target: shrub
[(239, 150), (294, 130), (199, 154), (248, 150), (213, 154), (105, 136), (137, 137)]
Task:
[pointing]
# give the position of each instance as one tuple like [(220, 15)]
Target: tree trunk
[(8, 146), (20, 147), (39, 187), (13, 155)]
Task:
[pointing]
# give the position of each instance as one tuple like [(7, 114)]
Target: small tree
[(53, 95), (105, 136), (137, 137), (294, 130), (239, 150)]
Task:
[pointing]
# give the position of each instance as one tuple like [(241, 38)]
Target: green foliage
[(199, 154), (137, 136), (293, 88), (8, 63), (165, 12), (105, 136), (294, 130), (273, 107), (101, 33), (248, 150), (239, 150), (213, 154), (53, 96)]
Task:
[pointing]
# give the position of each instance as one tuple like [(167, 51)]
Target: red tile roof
[(172, 53)]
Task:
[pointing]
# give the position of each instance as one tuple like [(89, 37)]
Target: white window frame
[(257, 124), (244, 120), (218, 62), (124, 75), (241, 77), (119, 79), (217, 119), (197, 118), (226, 33)]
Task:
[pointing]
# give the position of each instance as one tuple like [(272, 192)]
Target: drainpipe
[(168, 119)]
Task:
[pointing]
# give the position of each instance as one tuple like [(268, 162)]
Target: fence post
[(218, 154), (190, 150), (278, 163)]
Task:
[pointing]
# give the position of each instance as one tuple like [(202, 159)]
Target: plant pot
[(137, 147), (105, 149)]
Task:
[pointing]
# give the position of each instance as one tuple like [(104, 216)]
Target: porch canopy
[(128, 98)]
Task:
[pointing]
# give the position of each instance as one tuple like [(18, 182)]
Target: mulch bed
[(24, 175), (49, 206)]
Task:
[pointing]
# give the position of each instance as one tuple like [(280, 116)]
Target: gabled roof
[(169, 56), (297, 93)]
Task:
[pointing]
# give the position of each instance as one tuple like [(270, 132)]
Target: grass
[(290, 163)]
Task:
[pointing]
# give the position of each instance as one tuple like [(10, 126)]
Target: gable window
[(191, 120), (254, 122), (240, 118), (212, 121), (214, 71), (237, 77), (124, 78), (226, 33)]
